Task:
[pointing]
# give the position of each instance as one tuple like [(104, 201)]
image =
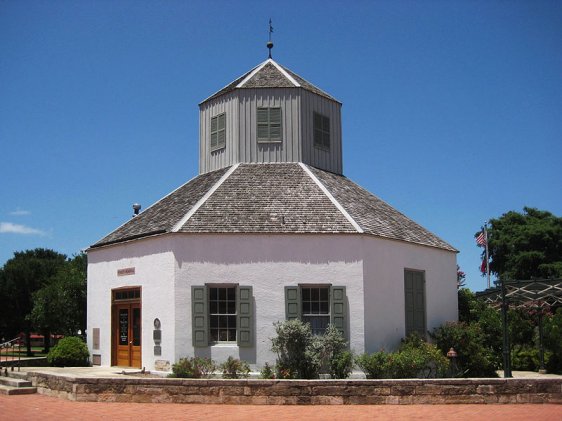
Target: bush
[(474, 358), (375, 365), (69, 352), (297, 350), (526, 358), (193, 368), (267, 372), (552, 329), (414, 359), (302, 355), (234, 368)]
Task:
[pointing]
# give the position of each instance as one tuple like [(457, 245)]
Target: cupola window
[(218, 132), (321, 131), (269, 124)]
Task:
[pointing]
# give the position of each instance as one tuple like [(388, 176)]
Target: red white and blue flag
[(481, 239)]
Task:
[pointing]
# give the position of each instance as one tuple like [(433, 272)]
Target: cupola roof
[(270, 74)]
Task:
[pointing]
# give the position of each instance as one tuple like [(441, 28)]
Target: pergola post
[(506, 348)]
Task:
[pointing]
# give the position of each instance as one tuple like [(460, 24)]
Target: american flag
[(481, 239)]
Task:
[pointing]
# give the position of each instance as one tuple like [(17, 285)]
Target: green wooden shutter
[(214, 132), (338, 316), (292, 303), (199, 316), (245, 337), (414, 301)]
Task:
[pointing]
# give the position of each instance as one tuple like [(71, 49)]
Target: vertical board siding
[(213, 160), (330, 160), (297, 145)]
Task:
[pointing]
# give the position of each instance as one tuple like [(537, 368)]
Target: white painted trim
[(332, 199), (287, 75), (201, 201), (252, 73)]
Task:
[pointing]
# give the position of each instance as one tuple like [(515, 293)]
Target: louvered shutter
[(263, 123), (338, 316), (245, 337), (292, 303), (199, 316), (414, 300), (275, 123), (221, 129), (214, 132)]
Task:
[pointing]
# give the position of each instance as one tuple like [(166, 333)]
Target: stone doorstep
[(13, 382), (11, 390)]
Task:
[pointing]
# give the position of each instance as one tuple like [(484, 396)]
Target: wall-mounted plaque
[(126, 271)]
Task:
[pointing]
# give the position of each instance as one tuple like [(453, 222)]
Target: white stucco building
[(270, 229)]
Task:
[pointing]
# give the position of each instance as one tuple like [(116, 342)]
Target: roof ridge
[(201, 201), (332, 199)]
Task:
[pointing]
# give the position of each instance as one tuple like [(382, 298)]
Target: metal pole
[(506, 349), (542, 370), (487, 253)]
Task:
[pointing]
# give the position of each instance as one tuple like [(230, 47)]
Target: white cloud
[(20, 212), (9, 228)]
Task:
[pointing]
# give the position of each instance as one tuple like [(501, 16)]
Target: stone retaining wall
[(301, 392)]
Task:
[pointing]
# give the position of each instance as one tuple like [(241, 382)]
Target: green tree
[(21, 276), (526, 245), (60, 306)]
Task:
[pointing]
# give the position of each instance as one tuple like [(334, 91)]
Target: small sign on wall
[(126, 271)]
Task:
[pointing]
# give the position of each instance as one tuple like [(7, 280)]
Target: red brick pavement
[(45, 408)]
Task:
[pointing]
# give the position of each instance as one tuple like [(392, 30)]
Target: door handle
[(130, 343)]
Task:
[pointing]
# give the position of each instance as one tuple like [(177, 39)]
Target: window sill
[(269, 141), (224, 345), (218, 148)]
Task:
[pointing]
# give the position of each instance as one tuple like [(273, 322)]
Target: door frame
[(129, 297)]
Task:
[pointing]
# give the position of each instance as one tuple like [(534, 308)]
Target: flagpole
[(487, 254)]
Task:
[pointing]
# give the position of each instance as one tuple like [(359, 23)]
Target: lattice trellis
[(535, 293)]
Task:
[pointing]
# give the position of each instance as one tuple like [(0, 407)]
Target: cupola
[(270, 114)]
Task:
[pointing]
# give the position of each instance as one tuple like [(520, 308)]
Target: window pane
[(222, 293), (315, 308), (324, 307), (231, 294), (231, 308), (315, 294), (222, 307), (214, 293), (324, 294), (275, 115), (305, 294), (213, 307), (305, 307), (214, 321)]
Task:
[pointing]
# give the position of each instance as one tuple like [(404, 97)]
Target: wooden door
[(127, 334)]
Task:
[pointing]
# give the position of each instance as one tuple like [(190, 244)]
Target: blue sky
[(452, 110)]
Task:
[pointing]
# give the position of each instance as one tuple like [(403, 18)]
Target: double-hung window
[(318, 305), (218, 132), (222, 314), (269, 124), (321, 131)]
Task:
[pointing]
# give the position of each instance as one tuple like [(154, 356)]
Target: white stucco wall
[(166, 267), (153, 261), (268, 263), (385, 262)]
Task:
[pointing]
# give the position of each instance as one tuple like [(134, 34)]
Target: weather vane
[(270, 43)]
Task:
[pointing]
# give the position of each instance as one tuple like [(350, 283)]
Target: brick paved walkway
[(45, 408)]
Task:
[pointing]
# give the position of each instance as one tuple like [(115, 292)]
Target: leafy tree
[(60, 306), (526, 245), (20, 277)]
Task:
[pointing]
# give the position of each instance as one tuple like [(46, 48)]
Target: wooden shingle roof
[(270, 74), (273, 198)]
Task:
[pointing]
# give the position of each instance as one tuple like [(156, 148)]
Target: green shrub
[(375, 365), (234, 368), (297, 350), (526, 358), (474, 358), (69, 352), (193, 368), (341, 365), (414, 359), (267, 372), (552, 328)]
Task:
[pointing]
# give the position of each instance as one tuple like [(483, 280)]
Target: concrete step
[(12, 382), (18, 374), (9, 390)]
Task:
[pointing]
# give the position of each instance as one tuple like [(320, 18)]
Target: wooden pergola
[(538, 294)]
